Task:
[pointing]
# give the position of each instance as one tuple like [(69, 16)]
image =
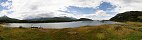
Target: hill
[(84, 19), (52, 18), (135, 16), (6, 19)]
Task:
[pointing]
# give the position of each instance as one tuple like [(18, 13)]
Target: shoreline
[(127, 31)]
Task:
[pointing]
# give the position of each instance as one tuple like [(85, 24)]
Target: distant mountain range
[(128, 16), (135, 16), (6, 19), (54, 18)]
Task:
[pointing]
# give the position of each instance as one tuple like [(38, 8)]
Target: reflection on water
[(60, 25)]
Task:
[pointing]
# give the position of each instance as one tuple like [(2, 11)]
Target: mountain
[(53, 18), (128, 16), (7, 19), (85, 19)]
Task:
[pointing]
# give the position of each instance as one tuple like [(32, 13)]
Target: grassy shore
[(126, 31)]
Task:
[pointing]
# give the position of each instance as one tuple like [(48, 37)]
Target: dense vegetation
[(126, 31), (135, 16)]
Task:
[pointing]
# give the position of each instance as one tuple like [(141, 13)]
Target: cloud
[(6, 6), (126, 5), (99, 15), (36, 8), (23, 9), (4, 12)]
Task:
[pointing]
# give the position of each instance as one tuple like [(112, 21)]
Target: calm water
[(60, 25)]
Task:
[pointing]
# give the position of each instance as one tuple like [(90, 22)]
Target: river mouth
[(59, 25)]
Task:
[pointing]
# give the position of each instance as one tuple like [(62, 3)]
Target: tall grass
[(103, 32)]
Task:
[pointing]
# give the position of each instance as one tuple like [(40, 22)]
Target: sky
[(92, 9)]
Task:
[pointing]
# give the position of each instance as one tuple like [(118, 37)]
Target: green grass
[(126, 31)]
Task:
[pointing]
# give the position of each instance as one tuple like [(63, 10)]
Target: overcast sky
[(93, 9)]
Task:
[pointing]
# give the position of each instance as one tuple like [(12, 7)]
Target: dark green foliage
[(128, 16)]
